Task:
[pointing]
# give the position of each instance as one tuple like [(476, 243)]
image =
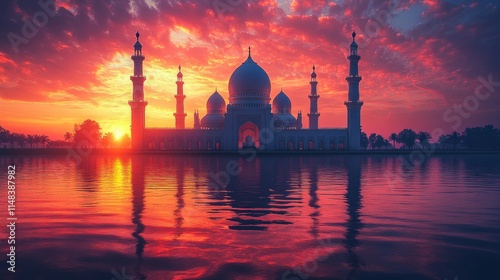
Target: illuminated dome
[(282, 107), (282, 104), (216, 104), (249, 85), (216, 107)]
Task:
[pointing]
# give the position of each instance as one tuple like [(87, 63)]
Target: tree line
[(473, 138), (87, 134)]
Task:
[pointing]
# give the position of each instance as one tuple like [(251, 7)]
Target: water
[(275, 217)]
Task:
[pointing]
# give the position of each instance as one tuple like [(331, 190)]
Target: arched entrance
[(248, 136)]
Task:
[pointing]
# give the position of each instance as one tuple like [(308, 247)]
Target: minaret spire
[(180, 116), (313, 97), (138, 104), (353, 104)]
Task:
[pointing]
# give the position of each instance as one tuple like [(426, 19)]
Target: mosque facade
[(249, 120)]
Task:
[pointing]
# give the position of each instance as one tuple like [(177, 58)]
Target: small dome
[(216, 104), (216, 107), (249, 84), (285, 121), (212, 121), (282, 104)]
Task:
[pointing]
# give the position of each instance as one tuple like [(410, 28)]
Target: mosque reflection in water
[(266, 192)]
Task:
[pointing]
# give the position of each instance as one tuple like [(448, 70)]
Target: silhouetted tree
[(68, 136), (57, 144), (407, 137), (387, 144), (393, 137), (454, 139), (87, 133), (44, 139), (371, 139), (423, 138), (19, 138), (30, 139), (379, 141), (125, 141), (4, 135), (36, 139), (364, 141), (484, 138), (444, 140), (108, 139)]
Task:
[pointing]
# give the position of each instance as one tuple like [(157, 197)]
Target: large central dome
[(249, 85)]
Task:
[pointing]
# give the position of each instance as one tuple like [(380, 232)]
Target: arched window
[(282, 145), (311, 145)]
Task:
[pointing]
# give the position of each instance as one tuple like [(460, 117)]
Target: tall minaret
[(353, 104), (313, 111), (180, 116), (137, 104)]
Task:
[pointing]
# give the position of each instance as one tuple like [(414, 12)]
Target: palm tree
[(443, 140), (108, 139), (407, 137), (19, 138), (455, 139), (44, 139), (371, 139), (364, 140), (423, 138), (379, 141), (31, 140), (125, 141), (68, 136), (36, 138), (393, 137)]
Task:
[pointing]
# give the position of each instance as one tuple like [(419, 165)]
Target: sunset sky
[(419, 60)]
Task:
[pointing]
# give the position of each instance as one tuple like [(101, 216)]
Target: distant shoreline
[(101, 151)]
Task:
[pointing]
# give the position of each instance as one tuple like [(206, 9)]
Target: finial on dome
[(179, 68), (137, 35), (314, 68), (353, 35), (215, 89), (248, 51)]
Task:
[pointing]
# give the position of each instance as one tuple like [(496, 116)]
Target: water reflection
[(138, 186), (354, 223), (162, 217)]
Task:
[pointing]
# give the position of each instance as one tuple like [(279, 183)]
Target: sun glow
[(118, 133)]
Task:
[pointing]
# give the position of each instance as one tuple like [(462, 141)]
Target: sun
[(118, 133)]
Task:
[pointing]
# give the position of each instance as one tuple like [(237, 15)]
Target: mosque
[(249, 120)]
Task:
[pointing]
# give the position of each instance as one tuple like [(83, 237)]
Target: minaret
[(313, 111), (299, 120), (180, 116), (197, 124), (137, 104), (353, 104)]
